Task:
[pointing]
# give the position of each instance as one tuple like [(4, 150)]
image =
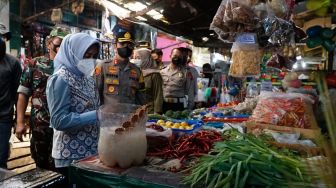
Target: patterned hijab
[(72, 50)]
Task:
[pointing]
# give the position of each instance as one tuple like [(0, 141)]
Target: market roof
[(188, 19)]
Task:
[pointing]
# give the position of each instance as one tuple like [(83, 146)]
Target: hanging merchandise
[(278, 30), (321, 36), (56, 15), (234, 17), (278, 7), (279, 61), (246, 60)]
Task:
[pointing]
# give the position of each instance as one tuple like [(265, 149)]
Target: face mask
[(137, 62), (177, 61), (124, 52), (87, 66)]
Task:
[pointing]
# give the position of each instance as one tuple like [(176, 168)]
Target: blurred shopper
[(157, 57), (10, 72), (178, 84), (33, 84), (153, 79), (73, 101)]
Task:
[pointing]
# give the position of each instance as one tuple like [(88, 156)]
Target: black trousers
[(172, 106)]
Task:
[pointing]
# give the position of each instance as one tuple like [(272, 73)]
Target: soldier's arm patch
[(98, 71)]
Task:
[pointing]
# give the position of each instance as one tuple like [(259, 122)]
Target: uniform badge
[(180, 75), (98, 71), (115, 81), (133, 73), (111, 89), (113, 70), (108, 80)]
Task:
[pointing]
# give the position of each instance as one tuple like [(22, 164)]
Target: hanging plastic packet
[(246, 60), (279, 31)]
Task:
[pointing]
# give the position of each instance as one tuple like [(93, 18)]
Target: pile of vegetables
[(177, 114), (246, 161), (193, 145)]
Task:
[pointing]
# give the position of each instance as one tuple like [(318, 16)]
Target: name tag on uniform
[(113, 70)]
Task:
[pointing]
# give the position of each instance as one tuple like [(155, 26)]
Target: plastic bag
[(283, 109), (246, 60), (279, 31), (279, 61), (233, 17), (278, 7)]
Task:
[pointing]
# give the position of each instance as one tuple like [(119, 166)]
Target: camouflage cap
[(59, 32)]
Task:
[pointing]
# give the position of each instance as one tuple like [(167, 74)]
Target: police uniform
[(178, 88), (121, 84)]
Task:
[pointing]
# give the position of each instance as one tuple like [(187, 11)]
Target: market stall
[(258, 127)]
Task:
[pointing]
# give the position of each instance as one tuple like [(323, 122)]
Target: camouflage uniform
[(118, 84), (33, 84)]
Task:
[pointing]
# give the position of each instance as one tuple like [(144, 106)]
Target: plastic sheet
[(283, 109)]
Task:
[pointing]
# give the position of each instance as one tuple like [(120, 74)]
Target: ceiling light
[(135, 6), (218, 57), (141, 18), (212, 34), (155, 14), (115, 9), (205, 39), (295, 66), (304, 65)]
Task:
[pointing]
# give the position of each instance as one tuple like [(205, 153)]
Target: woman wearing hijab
[(152, 77), (73, 101)]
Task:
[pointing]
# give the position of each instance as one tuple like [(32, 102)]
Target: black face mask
[(2, 49), (125, 52), (177, 61)]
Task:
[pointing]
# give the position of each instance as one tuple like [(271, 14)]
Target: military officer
[(120, 81), (178, 82)]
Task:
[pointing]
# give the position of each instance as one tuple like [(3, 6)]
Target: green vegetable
[(246, 161), (169, 113), (156, 116)]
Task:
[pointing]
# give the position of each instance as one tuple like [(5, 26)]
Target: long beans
[(247, 161)]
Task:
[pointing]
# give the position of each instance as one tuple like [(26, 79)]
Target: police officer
[(120, 81), (178, 84)]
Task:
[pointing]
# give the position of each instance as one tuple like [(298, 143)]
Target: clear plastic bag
[(233, 17), (283, 109), (246, 60), (278, 7)]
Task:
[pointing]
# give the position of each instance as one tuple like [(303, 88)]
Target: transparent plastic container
[(122, 139)]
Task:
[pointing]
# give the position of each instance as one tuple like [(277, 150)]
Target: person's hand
[(20, 130)]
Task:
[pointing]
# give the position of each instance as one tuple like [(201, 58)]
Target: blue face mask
[(87, 66)]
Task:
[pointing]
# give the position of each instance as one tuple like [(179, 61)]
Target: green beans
[(247, 161)]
